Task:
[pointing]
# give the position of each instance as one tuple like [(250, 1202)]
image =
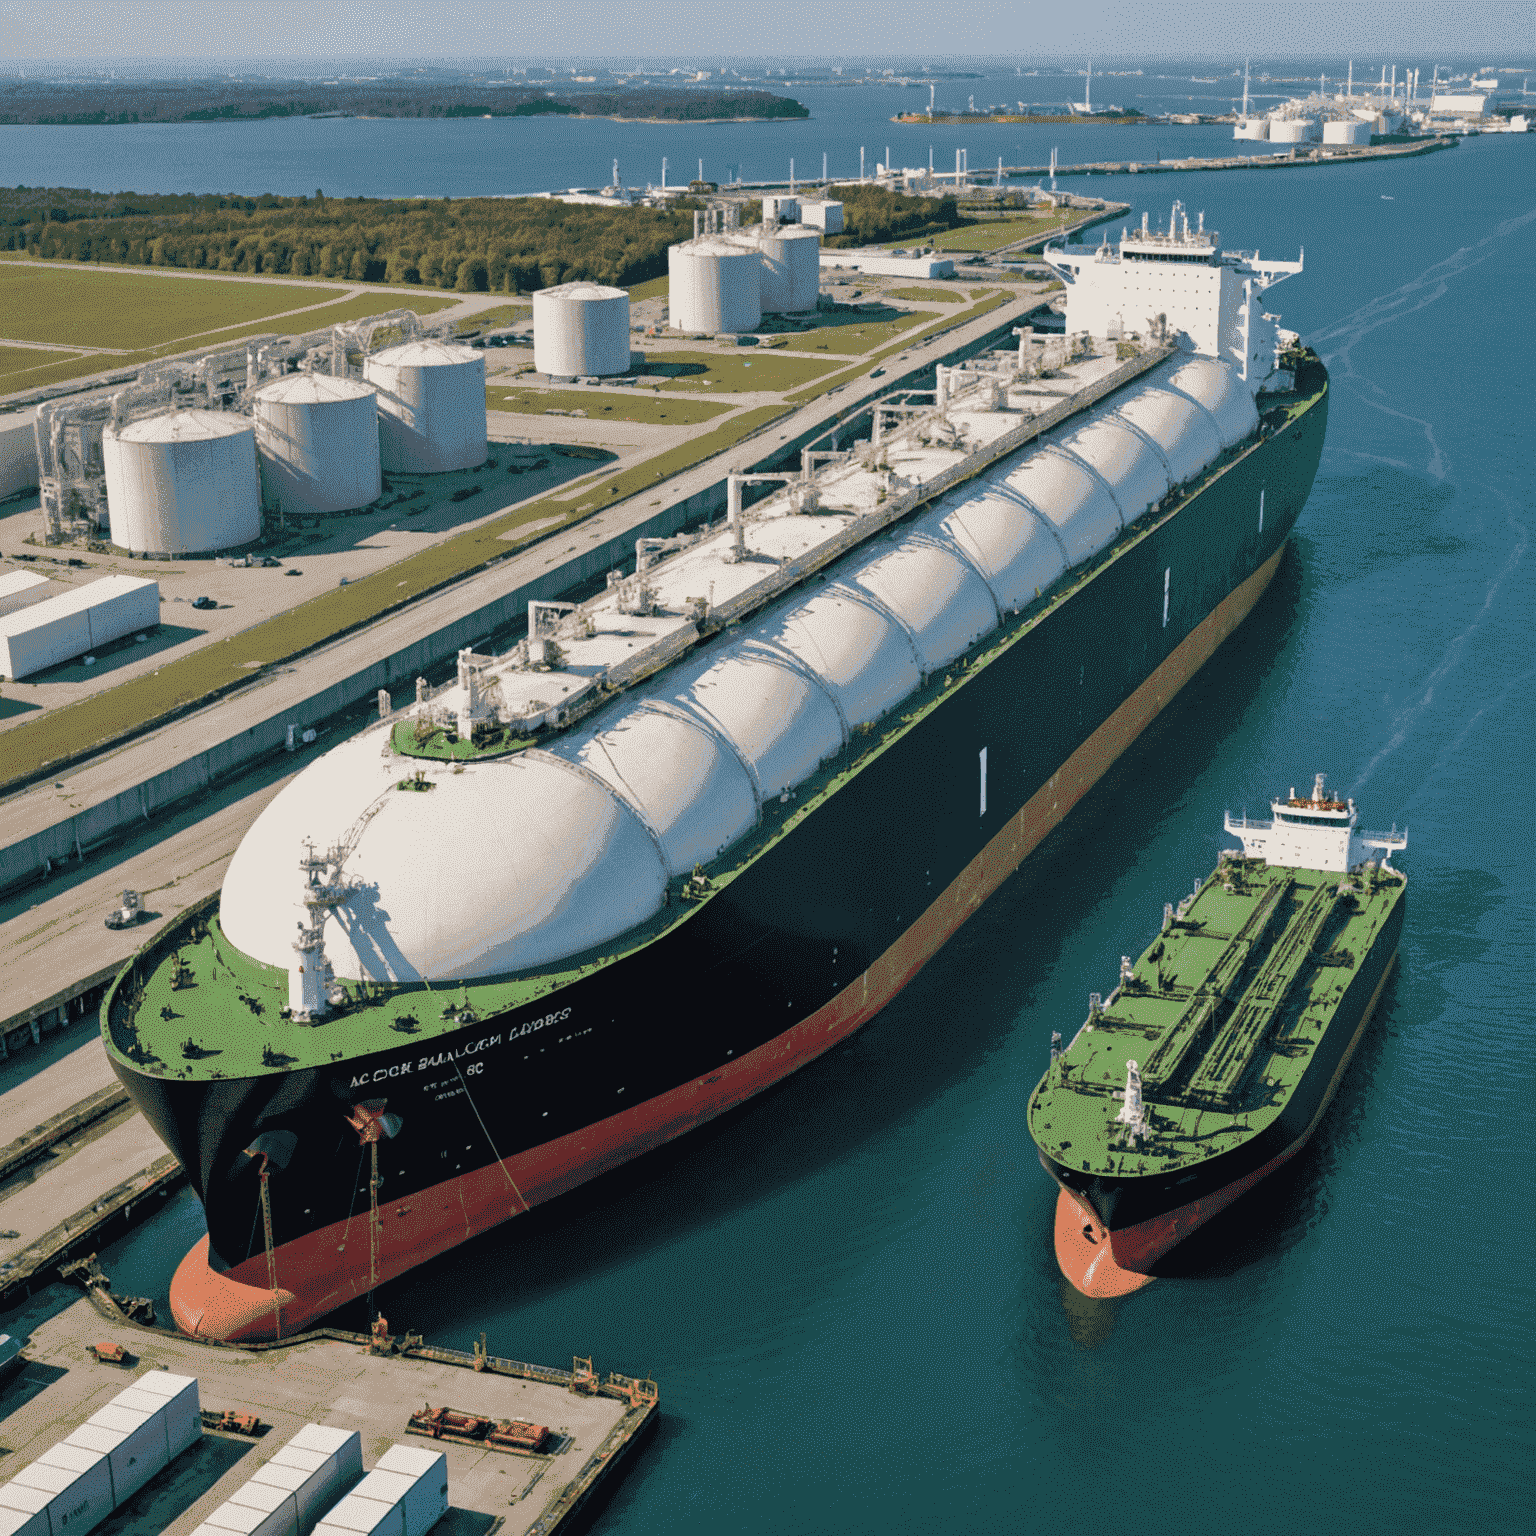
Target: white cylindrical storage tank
[(182, 483), (714, 286), (1251, 128), (785, 209), (1292, 130), (581, 328), (791, 270), (317, 442), (431, 407), (1346, 133)]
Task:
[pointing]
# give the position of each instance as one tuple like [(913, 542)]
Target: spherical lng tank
[(714, 286), (182, 483), (791, 270), (317, 441), (431, 407), (581, 328)]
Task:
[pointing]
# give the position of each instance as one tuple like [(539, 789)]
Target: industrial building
[(75, 623), (881, 264), (18, 453), (431, 407), (791, 271), (21, 589), (580, 329), (182, 483), (317, 442), (825, 214)]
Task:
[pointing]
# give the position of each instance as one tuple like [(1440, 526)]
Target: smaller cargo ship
[(1214, 1059)]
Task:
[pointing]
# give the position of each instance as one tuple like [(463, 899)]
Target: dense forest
[(466, 245), (103, 102), (469, 245), (873, 216)]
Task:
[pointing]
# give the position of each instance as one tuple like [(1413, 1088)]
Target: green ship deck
[(1222, 1014)]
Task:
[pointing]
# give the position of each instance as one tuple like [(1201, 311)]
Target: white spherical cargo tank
[(714, 286), (791, 270), (431, 407), (183, 483), (580, 329), (1219, 390), (1132, 468), (317, 439), (1185, 432), (524, 862)]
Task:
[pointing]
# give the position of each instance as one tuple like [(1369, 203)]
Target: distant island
[(96, 103)]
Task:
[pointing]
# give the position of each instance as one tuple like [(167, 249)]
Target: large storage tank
[(1347, 133), (1292, 130), (183, 483), (715, 286), (791, 270), (431, 407), (1251, 128), (317, 441), (581, 328)]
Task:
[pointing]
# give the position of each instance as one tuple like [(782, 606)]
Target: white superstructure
[(525, 860), (1181, 284), (317, 442), (1313, 832), (825, 214), (431, 406), (581, 329), (182, 483)]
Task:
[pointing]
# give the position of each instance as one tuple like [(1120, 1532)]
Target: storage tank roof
[(186, 427), (744, 244), (313, 389), (424, 354), (581, 291)]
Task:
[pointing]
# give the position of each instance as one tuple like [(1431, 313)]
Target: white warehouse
[(580, 329), (76, 622)]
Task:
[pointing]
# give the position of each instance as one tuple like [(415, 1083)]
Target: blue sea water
[(846, 1289)]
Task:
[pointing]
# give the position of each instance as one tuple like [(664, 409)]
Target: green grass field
[(491, 319), (655, 288), (993, 235), (78, 306), (609, 405), (736, 371), (16, 361), (927, 295), (854, 339)]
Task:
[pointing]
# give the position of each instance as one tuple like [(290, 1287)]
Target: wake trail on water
[(1418, 293), (1408, 718)]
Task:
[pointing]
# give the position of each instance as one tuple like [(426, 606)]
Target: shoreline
[(369, 117)]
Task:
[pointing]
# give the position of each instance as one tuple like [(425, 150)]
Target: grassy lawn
[(20, 360), (855, 338), (995, 234), (741, 370), (655, 288), (927, 295), (216, 669), (80, 306), (491, 319), (609, 405), (848, 375)]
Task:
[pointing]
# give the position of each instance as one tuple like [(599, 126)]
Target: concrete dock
[(329, 1378)]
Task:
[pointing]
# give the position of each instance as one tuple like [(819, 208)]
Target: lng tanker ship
[(687, 836), (1213, 1060)]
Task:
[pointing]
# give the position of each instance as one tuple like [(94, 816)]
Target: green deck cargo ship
[(1215, 1057)]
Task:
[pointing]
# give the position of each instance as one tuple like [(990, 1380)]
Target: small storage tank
[(1347, 133), (785, 209), (715, 286), (431, 407), (1292, 130), (317, 442), (1251, 128), (581, 328), (791, 269), (182, 483)]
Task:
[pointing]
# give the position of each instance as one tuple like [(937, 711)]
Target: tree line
[(874, 216)]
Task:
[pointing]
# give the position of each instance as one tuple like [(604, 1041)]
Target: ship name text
[(449, 1058)]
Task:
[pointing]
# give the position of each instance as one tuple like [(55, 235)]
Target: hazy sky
[(1016, 29)]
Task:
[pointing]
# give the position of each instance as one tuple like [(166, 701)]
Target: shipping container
[(29, 1502), (244, 1520), (143, 1451), (183, 1408), (317, 1467), (270, 1500), (21, 589), (93, 1478), (427, 1501), (15, 1522), (356, 1516)]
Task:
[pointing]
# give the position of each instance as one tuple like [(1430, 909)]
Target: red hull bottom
[(331, 1266), (1102, 1264)]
